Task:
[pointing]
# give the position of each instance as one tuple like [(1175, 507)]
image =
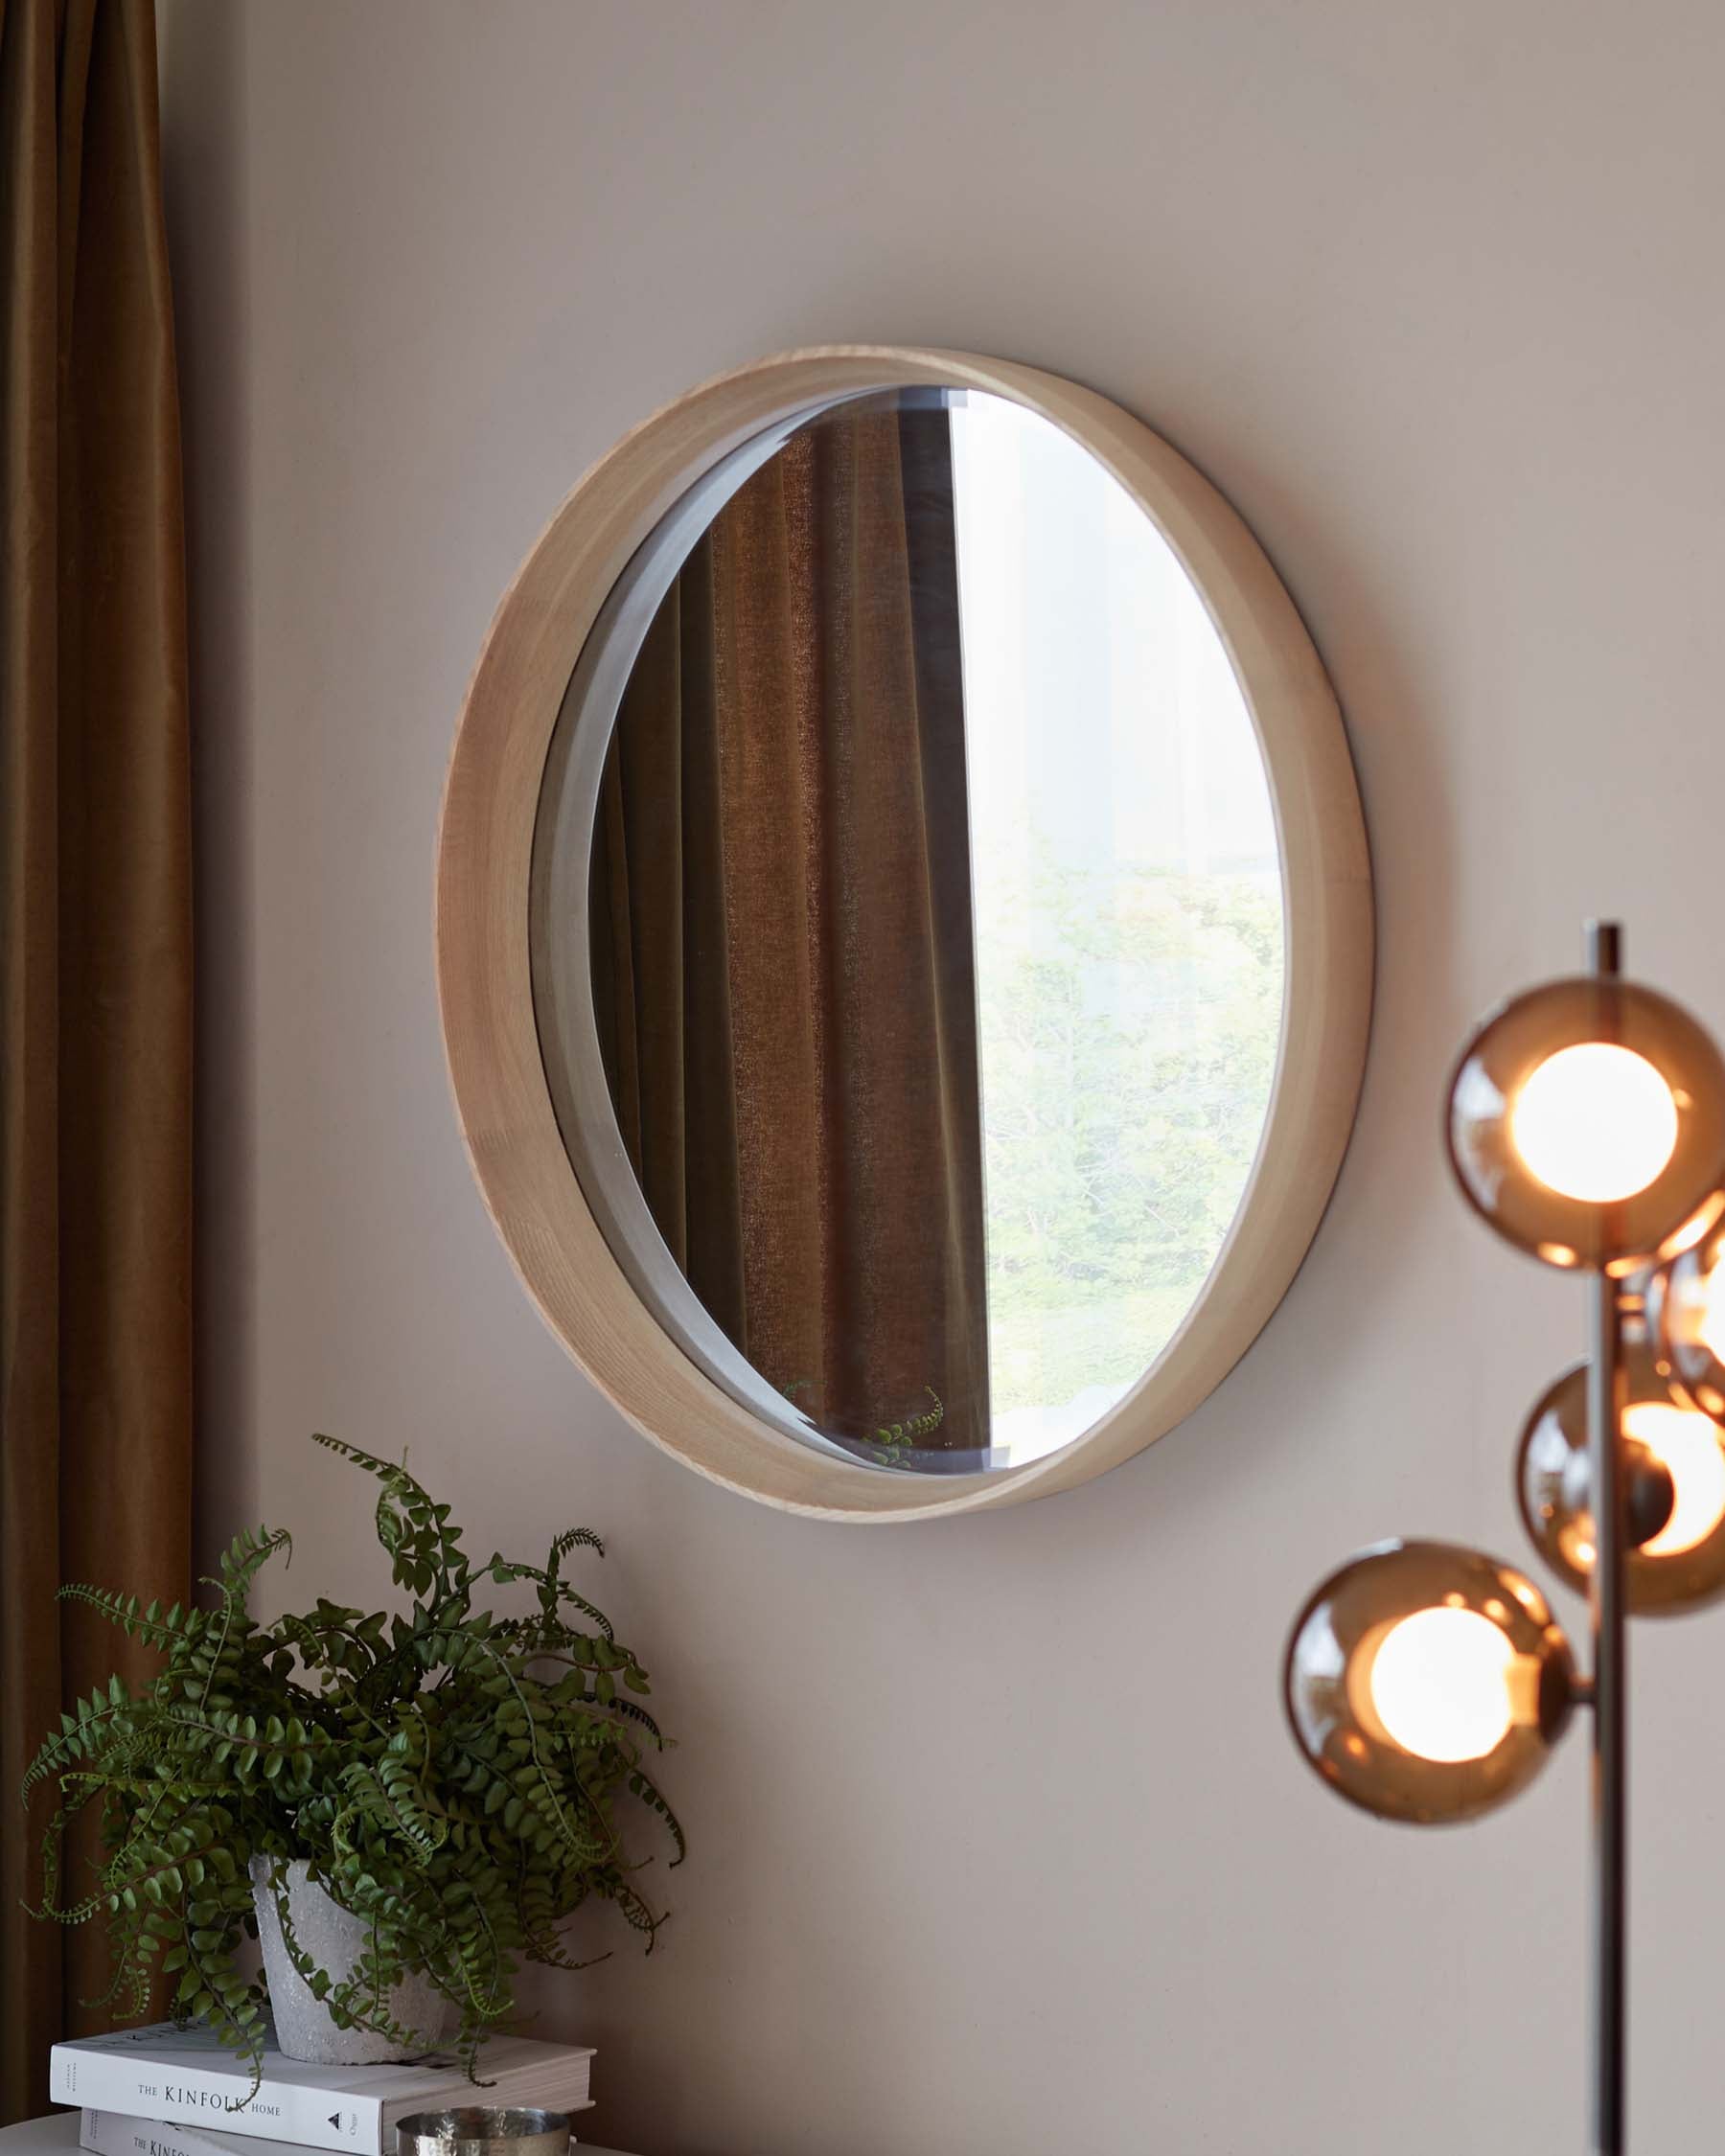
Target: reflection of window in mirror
[(1128, 922)]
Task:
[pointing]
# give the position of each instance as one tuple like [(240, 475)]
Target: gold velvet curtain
[(782, 934), (95, 926)]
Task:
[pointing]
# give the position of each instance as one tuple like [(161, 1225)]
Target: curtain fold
[(783, 940), (95, 931)]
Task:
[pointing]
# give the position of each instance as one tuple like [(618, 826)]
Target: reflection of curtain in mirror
[(782, 936)]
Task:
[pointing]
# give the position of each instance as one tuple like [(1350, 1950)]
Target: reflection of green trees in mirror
[(1130, 1020)]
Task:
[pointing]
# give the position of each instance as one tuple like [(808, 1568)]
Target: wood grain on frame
[(483, 960)]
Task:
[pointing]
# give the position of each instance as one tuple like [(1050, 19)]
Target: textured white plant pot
[(335, 1940)]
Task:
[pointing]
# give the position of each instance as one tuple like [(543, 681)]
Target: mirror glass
[(907, 932)]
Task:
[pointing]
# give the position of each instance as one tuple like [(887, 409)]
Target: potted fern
[(404, 1807)]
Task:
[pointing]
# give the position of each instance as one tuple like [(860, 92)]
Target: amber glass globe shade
[(1427, 1683), (1686, 1312), (1675, 1470), (1587, 1124)]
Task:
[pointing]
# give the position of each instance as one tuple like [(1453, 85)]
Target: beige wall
[(997, 1844)]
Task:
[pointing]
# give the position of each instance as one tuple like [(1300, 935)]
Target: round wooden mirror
[(904, 931)]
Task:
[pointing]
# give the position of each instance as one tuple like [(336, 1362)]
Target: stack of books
[(177, 2092)]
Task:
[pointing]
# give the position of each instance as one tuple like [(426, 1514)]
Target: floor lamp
[(1426, 1681)]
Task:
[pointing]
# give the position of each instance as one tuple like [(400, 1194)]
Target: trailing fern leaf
[(456, 1779)]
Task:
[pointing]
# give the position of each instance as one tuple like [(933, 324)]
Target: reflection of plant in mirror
[(889, 1443), (1131, 1019), (899, 1437), (917, 1426)]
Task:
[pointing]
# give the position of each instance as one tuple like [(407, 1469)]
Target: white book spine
[(106, 2133), (190, 2096)]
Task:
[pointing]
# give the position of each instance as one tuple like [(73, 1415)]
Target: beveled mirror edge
[(502, 1099)]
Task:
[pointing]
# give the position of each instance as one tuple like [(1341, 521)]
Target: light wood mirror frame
[(484, 857)]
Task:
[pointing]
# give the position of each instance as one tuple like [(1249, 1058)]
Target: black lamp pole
[(1605, 1602)]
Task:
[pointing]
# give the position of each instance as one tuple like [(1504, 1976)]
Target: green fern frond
[(641, 1785), (457, 1779), (572, 1539), (79, 1734), (155, 1626)]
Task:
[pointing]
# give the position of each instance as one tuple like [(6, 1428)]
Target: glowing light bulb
[(1426, 1681), (1441, 1685), (1674, 1472), (1595, 1122), (1688, 1445), (1710, 1327)]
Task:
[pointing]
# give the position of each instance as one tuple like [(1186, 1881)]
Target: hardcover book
[(187, 2077), (108, 2133)]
